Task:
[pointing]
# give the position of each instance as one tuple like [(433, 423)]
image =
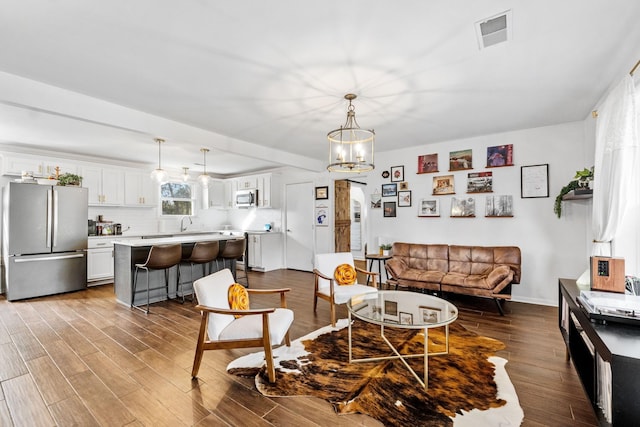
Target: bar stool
[(202, 253), (234, 250), (161, 257)]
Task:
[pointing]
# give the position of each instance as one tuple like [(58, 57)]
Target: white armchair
[(328, 289), (254, 328)]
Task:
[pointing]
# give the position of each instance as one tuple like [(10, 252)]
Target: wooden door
[(342, 219)]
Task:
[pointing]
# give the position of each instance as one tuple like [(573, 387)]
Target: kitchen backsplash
[(136, 221)]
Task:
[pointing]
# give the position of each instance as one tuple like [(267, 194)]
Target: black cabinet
[(606, 356)]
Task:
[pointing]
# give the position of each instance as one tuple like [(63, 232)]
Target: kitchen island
[(129, 252)]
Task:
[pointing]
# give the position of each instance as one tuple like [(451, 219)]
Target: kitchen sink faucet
[(182, 226)]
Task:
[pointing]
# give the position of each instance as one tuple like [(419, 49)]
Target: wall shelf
[(573, 196)]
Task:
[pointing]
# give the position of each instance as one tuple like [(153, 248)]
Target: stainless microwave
[(246, 198)]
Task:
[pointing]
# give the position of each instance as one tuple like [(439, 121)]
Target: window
[(176, 198)]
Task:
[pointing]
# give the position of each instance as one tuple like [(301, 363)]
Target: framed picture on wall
[(428, 163), (499, 206), (429, 207), (463, 207), (322, 216), (389, 209), (389, 190), (460, 160), (443, 185), (376, 201), (500, 155), (534, 181), (404, 198), (480, 182), (397, 173), (322, 193)]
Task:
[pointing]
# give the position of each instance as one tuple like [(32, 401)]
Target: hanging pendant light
[(159, 175), (351, 148), (204, 177), (185, 174)]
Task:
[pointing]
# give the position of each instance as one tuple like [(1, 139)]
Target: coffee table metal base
[(402, 357)]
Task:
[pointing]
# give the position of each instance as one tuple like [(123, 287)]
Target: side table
[(382, 260)]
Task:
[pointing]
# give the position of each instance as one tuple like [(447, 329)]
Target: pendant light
[(185, 174), (351, 148), (204, 178), (159, 175)]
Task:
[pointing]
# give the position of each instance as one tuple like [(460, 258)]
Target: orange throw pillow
[(238, 298), (345, 274)]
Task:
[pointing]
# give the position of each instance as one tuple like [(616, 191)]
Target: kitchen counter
[(128, 252)]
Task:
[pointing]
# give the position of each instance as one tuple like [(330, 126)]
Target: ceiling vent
[(494, 30)]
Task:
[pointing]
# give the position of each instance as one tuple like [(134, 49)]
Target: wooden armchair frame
[(332, 284), (265, 341)]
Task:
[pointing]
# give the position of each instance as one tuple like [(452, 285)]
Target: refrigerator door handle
[(50, 258), (55, 218), (49, 212)]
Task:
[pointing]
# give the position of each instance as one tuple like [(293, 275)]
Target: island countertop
[(142, 242)]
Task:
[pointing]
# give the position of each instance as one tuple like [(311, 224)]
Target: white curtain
[(616, 163)]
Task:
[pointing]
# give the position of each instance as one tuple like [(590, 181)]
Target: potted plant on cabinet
[(69, 179)]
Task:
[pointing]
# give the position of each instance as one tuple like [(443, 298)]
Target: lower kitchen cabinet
[(99, 261), (265, 251)]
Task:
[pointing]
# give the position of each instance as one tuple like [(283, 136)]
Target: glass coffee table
[(405, 310)]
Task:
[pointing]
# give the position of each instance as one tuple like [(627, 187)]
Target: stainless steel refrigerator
[(44, 239)]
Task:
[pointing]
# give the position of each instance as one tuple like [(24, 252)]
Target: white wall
[(551, 247)]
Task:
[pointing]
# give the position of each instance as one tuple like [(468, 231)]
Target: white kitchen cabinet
[(99, 261), (14, 165), (246, 183), (106, 186), (216, 194), (268, 190), (140, 190), (265, 251)]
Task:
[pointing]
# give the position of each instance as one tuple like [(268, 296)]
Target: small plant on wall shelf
[(580, 182)]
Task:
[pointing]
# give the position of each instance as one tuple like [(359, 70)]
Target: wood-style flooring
[(82, 359)]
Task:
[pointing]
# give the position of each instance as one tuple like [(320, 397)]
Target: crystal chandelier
[(351, 148), (204, 177), (159, 175)]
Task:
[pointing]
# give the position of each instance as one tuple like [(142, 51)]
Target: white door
[(299, 222)]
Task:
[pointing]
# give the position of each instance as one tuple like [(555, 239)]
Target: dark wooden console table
[(617, 344)]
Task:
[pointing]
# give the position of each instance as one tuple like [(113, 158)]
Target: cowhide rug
[(467, 387)]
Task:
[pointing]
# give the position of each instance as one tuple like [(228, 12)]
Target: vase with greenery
[(582, 180), (384, 249), (69, 179)]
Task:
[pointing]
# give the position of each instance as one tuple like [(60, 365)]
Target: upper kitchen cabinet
[(218, 195), (15, 165), (106, 186), (247, 182), (268, 190), (140, 190)]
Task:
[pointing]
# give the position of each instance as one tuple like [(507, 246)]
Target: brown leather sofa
[(471, 270)]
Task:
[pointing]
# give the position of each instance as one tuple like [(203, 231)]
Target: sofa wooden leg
[(497, 300)]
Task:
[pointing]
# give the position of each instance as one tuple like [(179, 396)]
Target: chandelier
[(185, 174), (204, 177), (351, 148), (159, 175)]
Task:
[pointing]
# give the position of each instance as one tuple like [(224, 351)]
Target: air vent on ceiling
[(494, 30)]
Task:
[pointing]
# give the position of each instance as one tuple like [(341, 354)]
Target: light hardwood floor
[(83, 359)]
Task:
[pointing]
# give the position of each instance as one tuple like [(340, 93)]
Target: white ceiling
[(266, 78)]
